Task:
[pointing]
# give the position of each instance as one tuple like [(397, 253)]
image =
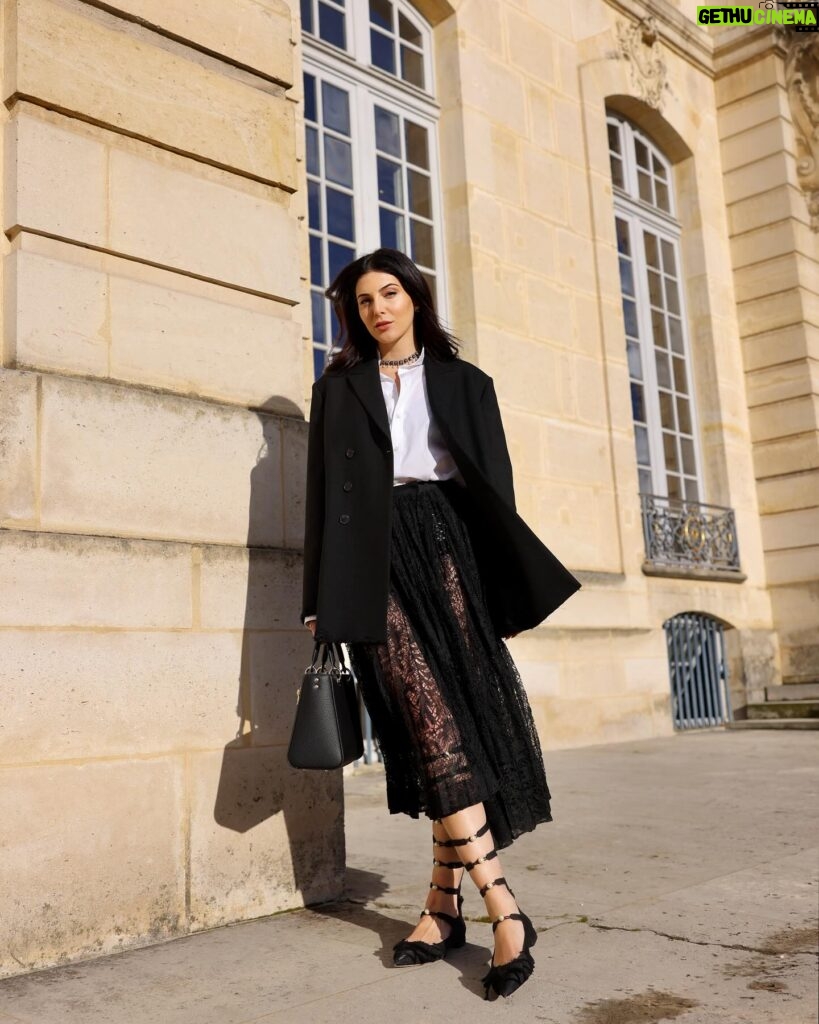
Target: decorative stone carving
[(802, 84), (639, 44)]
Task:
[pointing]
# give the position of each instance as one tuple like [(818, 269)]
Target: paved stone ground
[(678, 881)]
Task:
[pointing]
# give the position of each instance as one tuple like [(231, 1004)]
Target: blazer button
[(348, 485), (388, 451), (344, 518), (350, 453)]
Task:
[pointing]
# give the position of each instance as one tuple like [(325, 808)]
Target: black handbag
[(327, 728)]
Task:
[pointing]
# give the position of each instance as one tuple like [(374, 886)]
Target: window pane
[(674, 486), (669, 262), (311, 145), (382, 51), (386, 132), (318, 308), (641, 153), (675, 333), (658, 166), (307, 15), (617, 172), (408, 31), (340, 256), (412, 67), (641, 444), (672, 296), (310, 113), (638, 410), (614, 138), (679, 375), (663, 369), (390, 186), (314, 205), (420, 197), (684, 415), (670, 451), (655, 289), (658, 329), (316, 274), (416, 140), (645, 481), (644, 187), (635, 360), (663, 201), (652, 252), (392, 229), (626, 277), (335, 104), (687, 449), (381, 13), (331, 25), (340, 214), (623, 240), (692, 491), (338, 161), (630, 317), (319, 356), (666, 410), (422, 250)]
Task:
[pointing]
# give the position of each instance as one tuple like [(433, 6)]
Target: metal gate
[(698, 671)]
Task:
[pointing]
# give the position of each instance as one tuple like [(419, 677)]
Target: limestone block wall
[(534, 278), (152, 443), (775, 257)]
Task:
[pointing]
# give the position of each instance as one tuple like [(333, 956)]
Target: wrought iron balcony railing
[(689, 535)]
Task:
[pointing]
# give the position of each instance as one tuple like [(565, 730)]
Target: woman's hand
[(311, 625)]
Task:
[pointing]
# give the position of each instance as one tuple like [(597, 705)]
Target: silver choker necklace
[(399, 362)]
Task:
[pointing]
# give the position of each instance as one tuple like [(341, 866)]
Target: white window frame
[(638, 213)]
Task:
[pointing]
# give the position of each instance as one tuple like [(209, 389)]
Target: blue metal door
[(698, 671)]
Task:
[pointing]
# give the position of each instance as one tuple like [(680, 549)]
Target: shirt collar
[(407, 366)]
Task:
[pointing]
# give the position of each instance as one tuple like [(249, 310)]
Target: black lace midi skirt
[(447, 704)]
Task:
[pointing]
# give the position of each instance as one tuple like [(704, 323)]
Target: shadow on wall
[(296, 817)]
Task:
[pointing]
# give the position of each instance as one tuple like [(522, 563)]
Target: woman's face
[(386, 310)]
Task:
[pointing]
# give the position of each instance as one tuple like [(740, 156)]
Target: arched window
[(371, 145), (648, 247)]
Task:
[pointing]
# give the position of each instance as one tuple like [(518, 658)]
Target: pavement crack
[(764, 951)]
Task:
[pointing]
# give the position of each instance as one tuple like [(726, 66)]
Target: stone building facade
[(617, 211)]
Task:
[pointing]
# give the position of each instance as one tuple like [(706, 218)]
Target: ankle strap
[(492, 884), (481, 860), (446, 888), (462, 842), (447, 863)]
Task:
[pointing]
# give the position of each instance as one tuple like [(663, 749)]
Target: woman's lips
[(381, 327)]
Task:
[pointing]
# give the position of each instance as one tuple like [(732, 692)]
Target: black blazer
[(348, 511)]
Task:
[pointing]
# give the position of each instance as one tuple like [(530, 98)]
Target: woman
[(416, 558)]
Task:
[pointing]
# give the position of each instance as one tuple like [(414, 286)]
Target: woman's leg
[(509, 935), (434, 929)]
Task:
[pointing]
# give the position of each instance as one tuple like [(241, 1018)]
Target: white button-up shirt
[(419, 451)]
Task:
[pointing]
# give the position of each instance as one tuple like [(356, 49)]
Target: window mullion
[(652, 394), (368, 196)]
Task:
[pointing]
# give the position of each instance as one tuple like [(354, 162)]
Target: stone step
[(793, 691), (773, 723), (784, 709)]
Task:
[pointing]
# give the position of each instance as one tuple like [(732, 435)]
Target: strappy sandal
[(506, 978), (408, 953)]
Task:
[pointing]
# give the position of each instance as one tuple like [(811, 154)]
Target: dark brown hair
[(356, 341)]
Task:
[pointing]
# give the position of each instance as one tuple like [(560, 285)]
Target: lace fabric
[(446, 700)]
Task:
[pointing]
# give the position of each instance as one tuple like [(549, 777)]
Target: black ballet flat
[(408, 953), (507, 978)]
